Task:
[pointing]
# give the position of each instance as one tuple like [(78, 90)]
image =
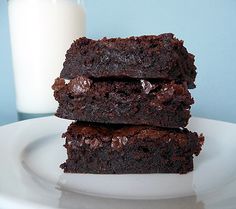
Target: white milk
[(41, 32)]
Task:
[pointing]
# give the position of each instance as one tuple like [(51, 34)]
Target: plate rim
[(8, 201)]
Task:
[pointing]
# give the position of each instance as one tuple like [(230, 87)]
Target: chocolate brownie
[(144, 57), (118, 149), (140, 102)]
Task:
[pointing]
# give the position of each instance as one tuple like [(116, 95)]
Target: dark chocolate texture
[(145, 57), (119, 149), (139, 102)]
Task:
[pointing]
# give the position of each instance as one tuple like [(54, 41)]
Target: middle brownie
[(138, 102)]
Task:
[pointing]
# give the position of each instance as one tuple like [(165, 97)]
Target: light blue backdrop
[(207, 26)]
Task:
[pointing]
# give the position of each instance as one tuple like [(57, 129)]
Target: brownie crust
[(138, 102), (118, 149), (145, 57)]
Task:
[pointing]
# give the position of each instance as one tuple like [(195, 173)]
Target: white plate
[(30, 177)]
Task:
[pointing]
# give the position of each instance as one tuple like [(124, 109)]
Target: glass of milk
[(41, 31)]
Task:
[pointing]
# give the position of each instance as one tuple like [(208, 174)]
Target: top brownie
[(146, 57)]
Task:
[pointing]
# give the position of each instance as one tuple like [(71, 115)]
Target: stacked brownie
[(130, 102)]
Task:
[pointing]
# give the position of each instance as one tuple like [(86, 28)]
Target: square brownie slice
[(138, 102), (118, 149), (145, 57)]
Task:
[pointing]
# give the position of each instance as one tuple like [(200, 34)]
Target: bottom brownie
[(117, 149)]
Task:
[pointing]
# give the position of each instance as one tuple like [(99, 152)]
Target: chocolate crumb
[(58, 84)]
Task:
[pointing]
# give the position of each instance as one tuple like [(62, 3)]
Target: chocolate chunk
[(118, 142), (147, 86), (79, 85)]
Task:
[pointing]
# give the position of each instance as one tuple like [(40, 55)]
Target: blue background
[(207, 26)]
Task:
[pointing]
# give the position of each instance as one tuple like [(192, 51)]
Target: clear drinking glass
[(41, 31)]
